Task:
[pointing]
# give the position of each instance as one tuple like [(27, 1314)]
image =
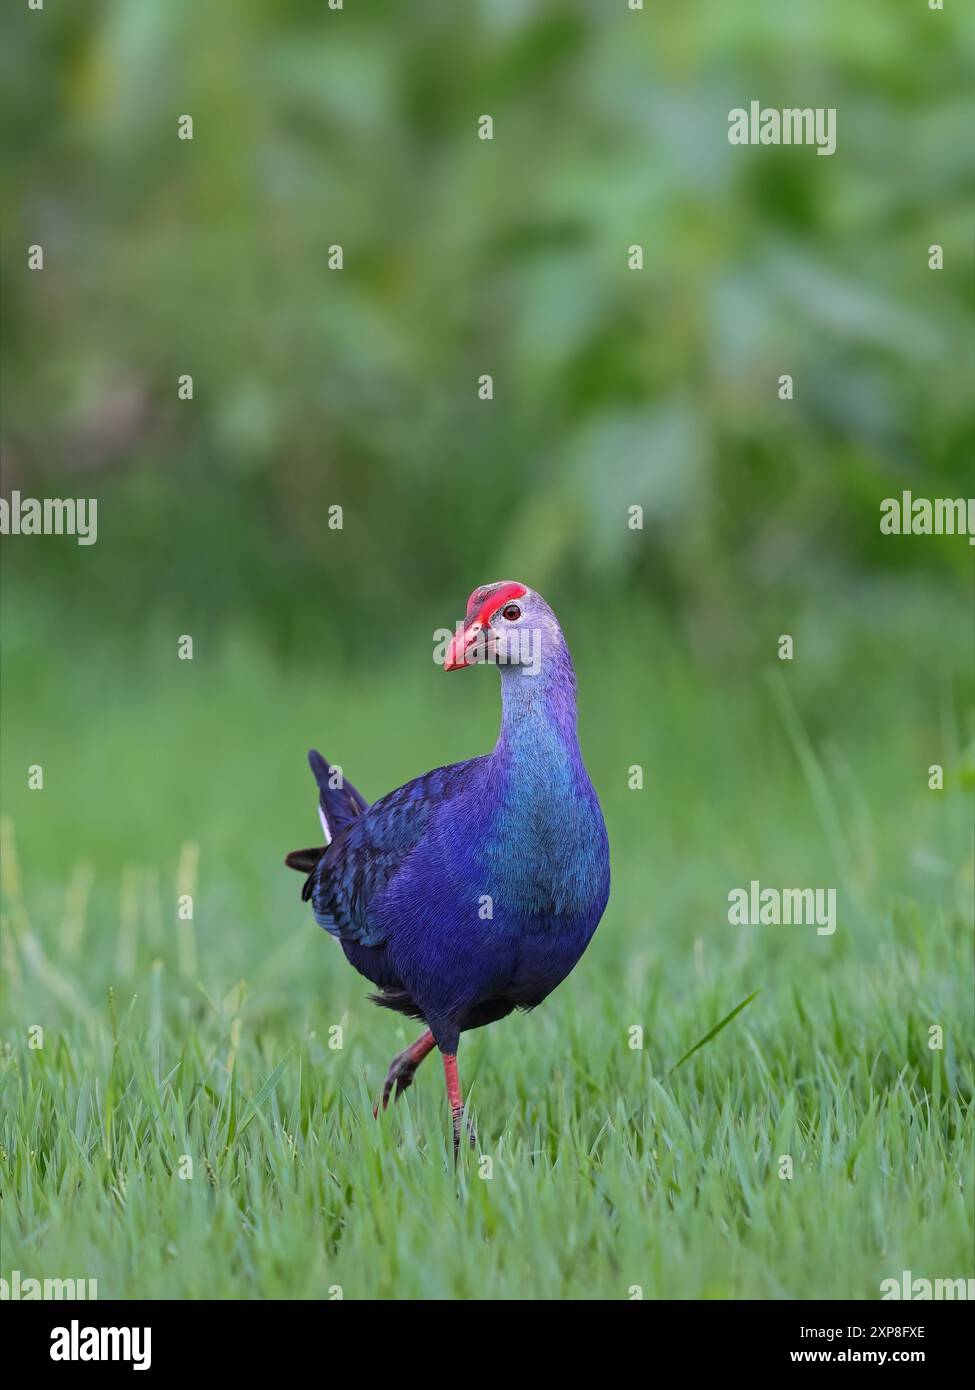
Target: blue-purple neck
[(545, 846), (539, 710)]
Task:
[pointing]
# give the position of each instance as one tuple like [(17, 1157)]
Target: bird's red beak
[(480, 606), (460, 645)]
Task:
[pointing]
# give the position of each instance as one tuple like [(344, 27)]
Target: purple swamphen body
[(472, 890)]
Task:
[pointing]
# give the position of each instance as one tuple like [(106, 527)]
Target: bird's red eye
[(511, 612)]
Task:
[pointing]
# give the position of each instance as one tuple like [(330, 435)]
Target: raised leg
[(456, 1102), (403, 1068)]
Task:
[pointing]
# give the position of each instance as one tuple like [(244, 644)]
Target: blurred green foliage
[(358, 387)]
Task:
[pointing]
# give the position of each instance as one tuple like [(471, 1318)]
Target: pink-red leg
[(403, 1068), (456, 1102)]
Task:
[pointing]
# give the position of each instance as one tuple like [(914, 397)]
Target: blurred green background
[(612, 388), (462, 256)]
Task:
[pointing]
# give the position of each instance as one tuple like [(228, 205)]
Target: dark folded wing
[(373, 847)]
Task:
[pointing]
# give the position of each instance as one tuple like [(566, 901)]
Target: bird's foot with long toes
[(458, 1118), (402, 1070)]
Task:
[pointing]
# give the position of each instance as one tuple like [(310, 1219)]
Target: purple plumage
[(474, 889)]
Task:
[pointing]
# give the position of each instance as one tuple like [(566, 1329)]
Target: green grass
[(611, 1166)]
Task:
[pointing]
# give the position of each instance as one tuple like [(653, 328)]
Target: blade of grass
[(263, 1093), (715, 1030)]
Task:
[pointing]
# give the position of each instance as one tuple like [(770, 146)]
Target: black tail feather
[(399, 1001), (338, 798), (340, 803), (304, 860)]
